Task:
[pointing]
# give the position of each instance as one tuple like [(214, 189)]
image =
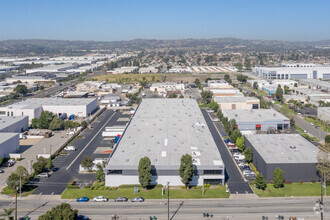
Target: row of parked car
[(240, 160), (105, 199), (9, 163)]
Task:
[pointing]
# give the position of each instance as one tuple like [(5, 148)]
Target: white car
[(248, 172), (43, 175), (70, 148), (239, 157), (100, 199)]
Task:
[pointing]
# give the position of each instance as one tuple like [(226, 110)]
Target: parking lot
[(86, 144)]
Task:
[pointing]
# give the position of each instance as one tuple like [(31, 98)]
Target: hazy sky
[(109, 20)]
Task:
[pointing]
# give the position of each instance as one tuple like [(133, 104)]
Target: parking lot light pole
[(168, 200)]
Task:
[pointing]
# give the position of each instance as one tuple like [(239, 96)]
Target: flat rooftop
[(54, 101), (164, 130), (283, 148), (255, 115), (232, 99), (6, 136), (6, 121)]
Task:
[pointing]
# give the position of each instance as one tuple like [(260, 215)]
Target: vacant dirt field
[(161, 77)]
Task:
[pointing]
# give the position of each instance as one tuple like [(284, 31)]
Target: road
[(68, 165), (235, 181), (190, 209), (300, 122)]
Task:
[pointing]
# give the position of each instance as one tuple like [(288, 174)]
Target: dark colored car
[(8, 164), (121, 199), (137, 199), (82, 199), (227, 140), (82, 217)]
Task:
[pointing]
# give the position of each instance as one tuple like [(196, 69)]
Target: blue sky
[(109, 20)]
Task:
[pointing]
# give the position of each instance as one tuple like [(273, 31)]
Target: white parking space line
[(68, 167)]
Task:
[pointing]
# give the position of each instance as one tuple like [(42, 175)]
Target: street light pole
[(16, 201)]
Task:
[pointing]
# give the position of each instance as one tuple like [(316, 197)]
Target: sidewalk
[(29, 156)]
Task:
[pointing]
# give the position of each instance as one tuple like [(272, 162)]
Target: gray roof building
[(296, 156), (164, 130)]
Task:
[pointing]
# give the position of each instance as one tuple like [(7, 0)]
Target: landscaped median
[(293, 189), (98, 189)]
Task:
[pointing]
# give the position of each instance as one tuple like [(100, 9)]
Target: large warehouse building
[(293, 72), (237, 102), (9, 143), (164, 130), (290, 152), (14, 124), (80, 107), (258, 119)]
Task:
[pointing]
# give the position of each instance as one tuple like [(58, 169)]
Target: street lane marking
[(68, 167)]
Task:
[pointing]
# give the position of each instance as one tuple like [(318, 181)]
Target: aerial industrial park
[(152, 110)]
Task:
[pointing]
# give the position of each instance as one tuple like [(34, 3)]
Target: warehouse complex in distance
[(81, 107), (237, 102), (164, 130), (293, 72), (293, 154), (258, 119)]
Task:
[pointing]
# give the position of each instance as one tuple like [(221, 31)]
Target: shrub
[(271, 182), (288, 182), (300, 181), (125, 186), (313, 181), (87, 187), (72, 187)]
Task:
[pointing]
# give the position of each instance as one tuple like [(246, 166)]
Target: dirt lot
[(169, 77)]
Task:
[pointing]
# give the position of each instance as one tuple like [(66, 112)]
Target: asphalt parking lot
[(86, 144), (235, 181)]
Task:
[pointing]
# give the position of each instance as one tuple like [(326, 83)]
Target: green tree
[(49, 164), (60, 212), (40, 165), (173, 95), (34, 123), (279, 93), (21, 171), (56, 124), (207, 79), (206, 97), (144, 170), (292, 122), (21, 89), (1, 160), (323, 164), (227, 78), (239, 66), (286, 90), (235, 135), (260, 182), (181, 96), (198, 83), (186, 170), (239, 143), (214, 105), (44, 120), (87, 162), (247, 64), (7, 213), (84, 124), (13, 180), (255, 85), (248, 153), (327, 139), (242, 78), (295, 85), (278, 178)]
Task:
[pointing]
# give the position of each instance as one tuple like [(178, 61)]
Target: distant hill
[(63, 47)]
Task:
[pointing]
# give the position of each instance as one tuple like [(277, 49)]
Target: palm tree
[(8, 213)]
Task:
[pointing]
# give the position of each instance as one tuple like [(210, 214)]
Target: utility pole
[(20, 186), (322, 190), (16, 201), (168, 200)]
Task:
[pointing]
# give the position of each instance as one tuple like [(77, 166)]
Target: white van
[(43, 175), (69, 148)]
